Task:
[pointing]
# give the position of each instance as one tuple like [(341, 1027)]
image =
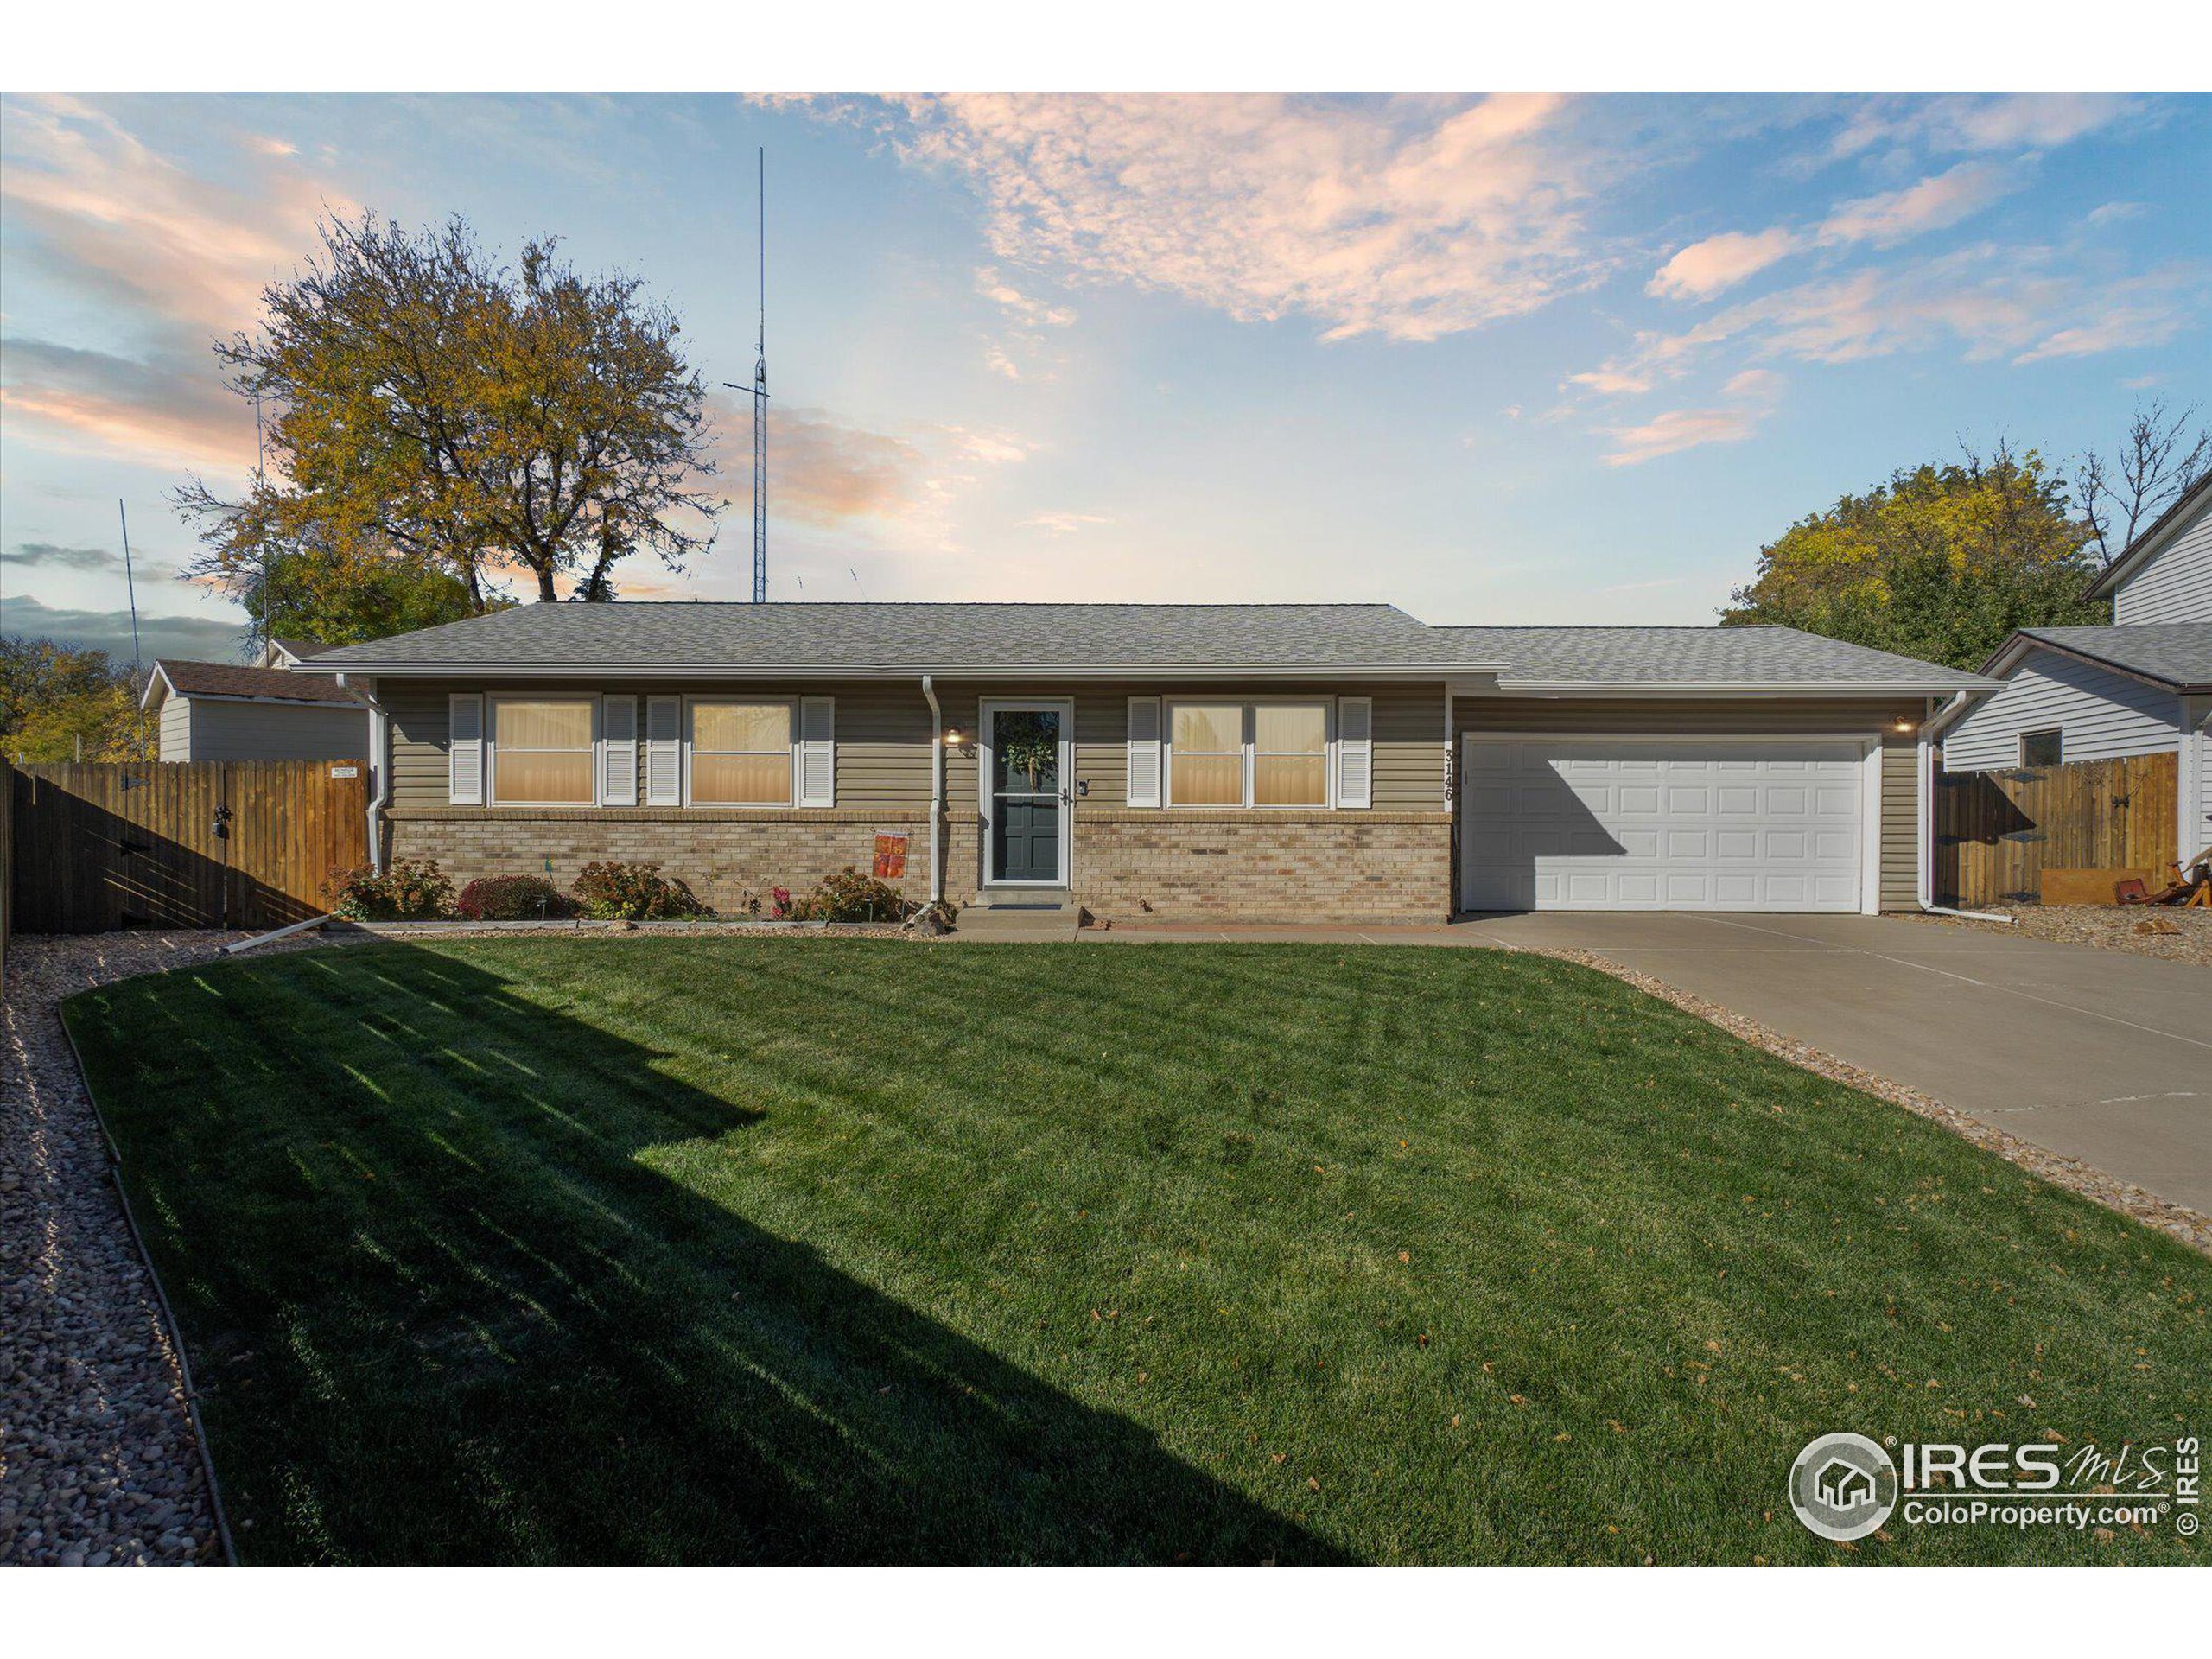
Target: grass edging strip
[(2178, 1221), (162, 1297)]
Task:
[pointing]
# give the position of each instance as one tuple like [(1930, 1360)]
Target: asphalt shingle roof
[(193, 679), (2178, 654), (1695, 655), (980, 638), (868, 635)]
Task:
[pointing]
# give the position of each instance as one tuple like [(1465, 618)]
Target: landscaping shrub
[(848, 896), (633, 893), (513, 898), (411, 890)]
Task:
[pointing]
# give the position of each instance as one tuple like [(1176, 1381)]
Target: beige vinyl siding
[(2175, 585), (1408, 735), (882, 732), (1716, 717), (176, 728)]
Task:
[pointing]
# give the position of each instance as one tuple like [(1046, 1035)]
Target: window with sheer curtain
[(740, 753), (1205, 746), (1290, 754), (1261, 754), (542, 751)]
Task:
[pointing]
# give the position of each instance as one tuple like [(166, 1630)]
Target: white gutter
[(600, 672), (937, 787), (1805, 688), (379, 763)]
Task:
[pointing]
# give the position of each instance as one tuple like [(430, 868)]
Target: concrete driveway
[(2104, 1056)]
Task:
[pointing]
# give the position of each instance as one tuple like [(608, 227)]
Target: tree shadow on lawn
[(441, 1309)]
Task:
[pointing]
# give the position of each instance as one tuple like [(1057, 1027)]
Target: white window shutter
[(619, 752), (663, 751), (464, 748), (1355, 751), (1144, 751), (818, 751)]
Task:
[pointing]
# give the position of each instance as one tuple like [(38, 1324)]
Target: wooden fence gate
[(200, 844), (1996, 832)]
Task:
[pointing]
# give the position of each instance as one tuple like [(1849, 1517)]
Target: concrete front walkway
[(2096, 1054)]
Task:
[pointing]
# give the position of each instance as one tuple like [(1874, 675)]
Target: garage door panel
[(1662, 823)]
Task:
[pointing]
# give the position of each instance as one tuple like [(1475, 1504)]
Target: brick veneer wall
[(1130, 866), (723, 857), (1137, 866)]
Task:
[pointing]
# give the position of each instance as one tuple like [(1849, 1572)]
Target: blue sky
[(1513, 358)]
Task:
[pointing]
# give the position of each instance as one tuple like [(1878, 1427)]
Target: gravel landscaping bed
[(98, 1460), (2191, 1228), (2150, 930)]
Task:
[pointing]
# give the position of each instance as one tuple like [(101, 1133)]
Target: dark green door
[(1026, 804)]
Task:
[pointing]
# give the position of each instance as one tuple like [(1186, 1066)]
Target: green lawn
[(706, 1251)]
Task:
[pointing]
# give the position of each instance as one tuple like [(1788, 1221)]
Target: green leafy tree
[(64, 702), (315, 592), (1942, 561), (432, 409)]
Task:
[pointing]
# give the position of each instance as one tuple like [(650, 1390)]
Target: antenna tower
[(760, 407)]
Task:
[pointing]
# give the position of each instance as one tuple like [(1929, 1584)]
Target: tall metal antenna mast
[(760, 390), (760, 404), (130, 588)]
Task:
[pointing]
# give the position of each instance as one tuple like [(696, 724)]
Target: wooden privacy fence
[(202, 843), (1996, 832)]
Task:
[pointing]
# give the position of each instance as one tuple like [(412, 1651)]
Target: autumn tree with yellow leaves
[(435, 420)]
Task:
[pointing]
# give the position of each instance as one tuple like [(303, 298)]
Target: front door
[(1026, 751)]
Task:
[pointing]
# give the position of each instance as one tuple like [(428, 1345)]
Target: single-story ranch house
[(1278, 762)]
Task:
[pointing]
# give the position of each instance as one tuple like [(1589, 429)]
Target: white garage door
[(1661, 824)]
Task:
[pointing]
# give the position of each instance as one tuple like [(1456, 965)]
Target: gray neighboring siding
[(1669, 717), (2176, 585), (882, 733), (176, 728), (2102, 714), (270, 731)]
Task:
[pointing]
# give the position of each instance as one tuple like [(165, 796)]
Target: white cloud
[(1413, 219), (1703, 269), (1934, 204), (1974, 122), (1751, 396), (1021, 306), (1985, 301), (1061, 523)]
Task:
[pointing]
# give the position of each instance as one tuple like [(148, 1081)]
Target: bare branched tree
[(2120, 493)]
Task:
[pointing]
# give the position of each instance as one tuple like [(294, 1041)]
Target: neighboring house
[(1290, 762), (2140, 685), (288, 653), (222, 711)]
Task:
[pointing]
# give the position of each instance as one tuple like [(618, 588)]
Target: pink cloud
[(1412, 219), (1751, 396), (104, 211), (1934, 204), (1703, 269)]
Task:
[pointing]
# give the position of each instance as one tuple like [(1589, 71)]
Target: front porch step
[(1018, 898), (1031, 913)]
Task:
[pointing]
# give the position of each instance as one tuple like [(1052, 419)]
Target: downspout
[(937, 787), (379, 767)]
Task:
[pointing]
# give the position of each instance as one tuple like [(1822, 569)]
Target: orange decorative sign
[(890, 857)]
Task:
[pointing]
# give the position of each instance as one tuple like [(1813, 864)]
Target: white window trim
[(1247, 703), (789, 803), (2020, 745), (491, 701)]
